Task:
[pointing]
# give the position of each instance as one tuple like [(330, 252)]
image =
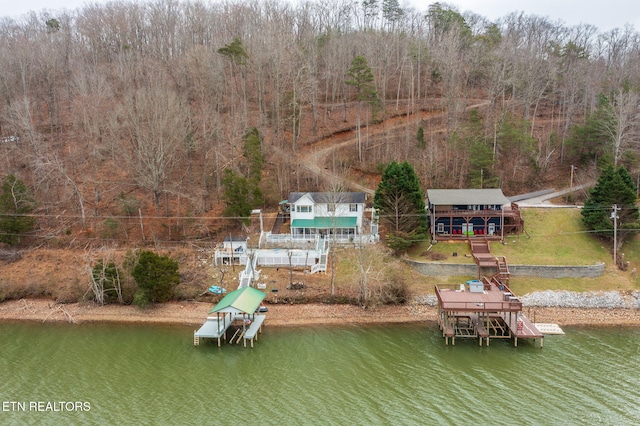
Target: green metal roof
[(325, 222), (244, 300)]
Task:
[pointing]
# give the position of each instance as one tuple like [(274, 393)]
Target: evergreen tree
[(420, 142), (587, 142), (614, 187), (156, 277), (400, 204), (236, 196), (361, 78), (235, 51), (15, 206), (253, 154), (243, 194)]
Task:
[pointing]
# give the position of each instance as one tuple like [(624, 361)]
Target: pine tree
[(361, 77), (400, 204), (237, 195), (614, 187), (253, 154)]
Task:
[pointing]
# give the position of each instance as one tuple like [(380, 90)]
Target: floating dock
[(547, 328)]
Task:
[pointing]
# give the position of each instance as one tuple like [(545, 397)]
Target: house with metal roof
[(462, 214), (338, 215)]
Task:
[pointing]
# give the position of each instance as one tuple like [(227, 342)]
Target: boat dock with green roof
[(238, 309)]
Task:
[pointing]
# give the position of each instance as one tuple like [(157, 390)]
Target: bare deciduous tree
[(152, 122)]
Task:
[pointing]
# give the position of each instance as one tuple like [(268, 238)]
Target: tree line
[(178, 108)]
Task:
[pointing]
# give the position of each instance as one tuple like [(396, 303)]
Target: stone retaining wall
[(436, 269)]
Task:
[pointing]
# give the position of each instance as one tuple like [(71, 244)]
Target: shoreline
[(283, 315)]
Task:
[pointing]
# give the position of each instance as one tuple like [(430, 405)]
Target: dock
[(237, 312), (547, 328), (484, 309), (214, 328)]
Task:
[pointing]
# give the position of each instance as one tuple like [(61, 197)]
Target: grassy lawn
[(552, 237)]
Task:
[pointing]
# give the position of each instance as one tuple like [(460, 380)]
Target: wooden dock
[(246, 329), (485, 312)]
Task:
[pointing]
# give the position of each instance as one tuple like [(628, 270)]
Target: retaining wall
[(436, 269)]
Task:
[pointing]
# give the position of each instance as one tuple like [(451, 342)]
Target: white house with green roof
[(338, 215)]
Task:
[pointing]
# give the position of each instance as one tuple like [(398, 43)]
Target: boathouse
[(236, 313), (484, 309)]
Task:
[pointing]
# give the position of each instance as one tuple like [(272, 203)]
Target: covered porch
[(336, 228)]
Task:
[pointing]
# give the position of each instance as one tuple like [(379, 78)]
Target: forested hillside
[(134, 120)]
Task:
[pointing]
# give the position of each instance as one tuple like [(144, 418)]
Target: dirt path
[(314, 156)]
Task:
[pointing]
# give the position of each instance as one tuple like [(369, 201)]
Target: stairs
[(503, 269), (483, 258)]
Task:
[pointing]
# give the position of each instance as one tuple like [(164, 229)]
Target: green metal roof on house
[(440, 197), (325, 222), (244, 300)]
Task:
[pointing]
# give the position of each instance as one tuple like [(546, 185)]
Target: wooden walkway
[(481, 254)]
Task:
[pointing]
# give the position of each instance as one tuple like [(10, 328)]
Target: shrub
[(156, 276)]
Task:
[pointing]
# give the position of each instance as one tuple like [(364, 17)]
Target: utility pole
[(571, 181), (614, 216)]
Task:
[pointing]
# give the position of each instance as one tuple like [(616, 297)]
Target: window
[(331, 207), (440, 228), (353, 207), (304, 209)]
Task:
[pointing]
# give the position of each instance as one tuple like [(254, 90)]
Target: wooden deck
[(451, 298), (488, 312)]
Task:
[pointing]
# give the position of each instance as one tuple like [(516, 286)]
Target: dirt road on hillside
[(314, 157)]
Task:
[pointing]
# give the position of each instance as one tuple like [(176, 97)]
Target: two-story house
[(335, 214), (467, 213)]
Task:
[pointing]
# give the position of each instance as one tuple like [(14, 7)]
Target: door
[(492, 229)]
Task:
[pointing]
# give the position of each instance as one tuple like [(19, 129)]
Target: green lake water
[(64, 374)]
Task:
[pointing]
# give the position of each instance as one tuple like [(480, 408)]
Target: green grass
[(552, 237)]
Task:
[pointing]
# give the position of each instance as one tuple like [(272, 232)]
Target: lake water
[(353, 375)]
